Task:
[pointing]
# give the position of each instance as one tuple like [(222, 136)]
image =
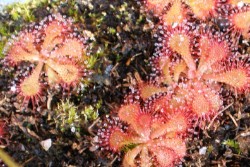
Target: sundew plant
[(193, 62), (136, 83)]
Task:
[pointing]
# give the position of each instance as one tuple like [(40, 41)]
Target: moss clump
[(67, 116), (233, 144)]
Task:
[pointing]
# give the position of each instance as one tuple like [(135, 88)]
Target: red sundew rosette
[(152, 137), (213, 52), (194, 90), (53, 47), (203, 97)]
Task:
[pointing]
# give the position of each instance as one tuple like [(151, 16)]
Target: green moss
[(67, 116), (24, 11), (4, 30), (92, 61), (2, 44), (210, 149), (91, 112), (233, 144), (111, 30), (4, 34)]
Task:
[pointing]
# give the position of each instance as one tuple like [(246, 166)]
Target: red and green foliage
[(153, 136), (55, 49), (196, 57), (196, 73)]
